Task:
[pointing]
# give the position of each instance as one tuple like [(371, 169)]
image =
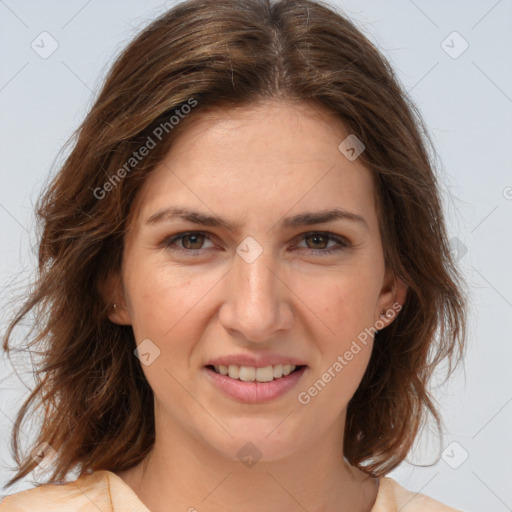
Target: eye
[(321, 238), (191, 243)]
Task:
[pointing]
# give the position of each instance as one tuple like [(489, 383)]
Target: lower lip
[(255, 392)]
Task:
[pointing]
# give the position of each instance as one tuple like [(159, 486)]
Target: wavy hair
[(97, 404)]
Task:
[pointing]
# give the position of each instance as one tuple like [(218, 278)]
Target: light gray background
[(466, 102)]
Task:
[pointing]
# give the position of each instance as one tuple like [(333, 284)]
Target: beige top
[(106, 492)]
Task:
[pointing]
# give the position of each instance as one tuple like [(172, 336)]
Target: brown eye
[(318, 241), (196, 240), (190, 243)]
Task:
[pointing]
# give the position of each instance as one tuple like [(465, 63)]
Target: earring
[(114, 306)]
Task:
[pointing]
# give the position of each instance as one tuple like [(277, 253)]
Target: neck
[(183, 473)]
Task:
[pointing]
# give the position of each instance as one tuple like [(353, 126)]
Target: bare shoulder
[(88, 492), (393, 497)]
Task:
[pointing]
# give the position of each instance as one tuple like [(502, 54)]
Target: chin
[(257, 441)]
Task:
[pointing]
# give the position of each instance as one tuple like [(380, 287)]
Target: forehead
[(259, 161)]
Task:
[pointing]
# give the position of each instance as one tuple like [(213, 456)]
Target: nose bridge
[(256, 306), (256, 280)]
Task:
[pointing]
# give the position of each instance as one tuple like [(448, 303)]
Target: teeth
[(265, 374), (232, 371), (251, 374), (247, 373)]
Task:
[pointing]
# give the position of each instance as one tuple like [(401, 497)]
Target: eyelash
[(342, 243)]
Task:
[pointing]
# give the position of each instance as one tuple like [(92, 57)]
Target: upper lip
[(254, 361)]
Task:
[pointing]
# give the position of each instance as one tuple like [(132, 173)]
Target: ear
[(112, 292), (391, 299)]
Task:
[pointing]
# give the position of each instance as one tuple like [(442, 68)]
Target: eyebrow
[(301, 219)]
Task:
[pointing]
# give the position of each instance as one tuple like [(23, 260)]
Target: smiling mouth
[(252, 374)]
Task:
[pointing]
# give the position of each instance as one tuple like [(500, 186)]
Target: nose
[(258, 305)]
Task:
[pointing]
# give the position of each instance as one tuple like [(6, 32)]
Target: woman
[(245, 281)]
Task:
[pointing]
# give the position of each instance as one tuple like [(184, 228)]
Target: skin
[(253, 165)]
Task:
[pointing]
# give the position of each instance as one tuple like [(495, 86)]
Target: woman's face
[(273, 289)]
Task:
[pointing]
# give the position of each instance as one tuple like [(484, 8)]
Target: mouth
[(255, 378), (253, 385), (253, 374)]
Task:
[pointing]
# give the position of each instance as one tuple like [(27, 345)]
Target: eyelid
[(168, 241), (342, 242), (331, 236)]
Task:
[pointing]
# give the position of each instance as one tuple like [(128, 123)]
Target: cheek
[(166, 308), (163, 298), (342, 302), (327, 392), (344, 314)]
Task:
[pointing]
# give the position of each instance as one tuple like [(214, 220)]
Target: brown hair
[(98, 406)]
